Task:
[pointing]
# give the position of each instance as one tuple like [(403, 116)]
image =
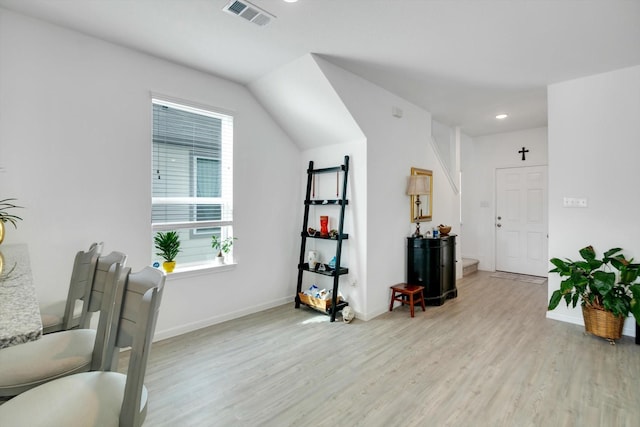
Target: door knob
[(498, 225), (499, 218)]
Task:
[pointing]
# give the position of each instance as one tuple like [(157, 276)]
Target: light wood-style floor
[(487, 358)]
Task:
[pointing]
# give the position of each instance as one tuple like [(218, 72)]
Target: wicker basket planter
[(611, 281), (602, 323)]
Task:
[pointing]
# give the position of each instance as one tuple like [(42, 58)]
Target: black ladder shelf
[(339, 270)]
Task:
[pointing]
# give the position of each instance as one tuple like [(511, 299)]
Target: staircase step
[(469, 266)]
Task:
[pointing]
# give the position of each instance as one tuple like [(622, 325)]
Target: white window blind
[(192, 177)]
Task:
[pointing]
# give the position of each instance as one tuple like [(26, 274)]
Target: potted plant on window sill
[(168, 246), (607, 297), (7, 217), (223, 246)]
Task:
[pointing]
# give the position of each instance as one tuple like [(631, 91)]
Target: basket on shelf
[(602, 323), (318, 303)]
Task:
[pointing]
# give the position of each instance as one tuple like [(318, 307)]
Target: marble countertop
[(19, 311)]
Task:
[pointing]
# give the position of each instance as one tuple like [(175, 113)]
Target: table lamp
[(418, 185)]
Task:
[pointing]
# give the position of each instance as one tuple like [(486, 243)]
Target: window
[(192, 177)]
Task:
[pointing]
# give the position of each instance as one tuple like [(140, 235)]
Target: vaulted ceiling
[(463, 60)]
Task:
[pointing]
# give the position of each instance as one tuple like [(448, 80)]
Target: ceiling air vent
[(248, 11)]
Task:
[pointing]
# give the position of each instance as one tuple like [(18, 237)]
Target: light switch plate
[(574, 202)]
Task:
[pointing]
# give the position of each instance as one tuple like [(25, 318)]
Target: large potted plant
[(607, 289), (5, 216), (223, 246), (168, 246)]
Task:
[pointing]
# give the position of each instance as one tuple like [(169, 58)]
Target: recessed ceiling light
[(502, 116)]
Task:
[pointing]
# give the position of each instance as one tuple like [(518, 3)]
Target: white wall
[(594, 147), (83, 106), (304, 104), (75, 132), (300, 98), (383, 149), (393, 146), (480, 157)]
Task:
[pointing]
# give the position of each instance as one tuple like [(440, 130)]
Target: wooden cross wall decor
[(523, 151)]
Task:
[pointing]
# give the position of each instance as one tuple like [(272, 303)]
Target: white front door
[(521, 220)]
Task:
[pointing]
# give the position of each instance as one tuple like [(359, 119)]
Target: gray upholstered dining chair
[(28, 365), (101, 398), (65, 315), (98, 290)]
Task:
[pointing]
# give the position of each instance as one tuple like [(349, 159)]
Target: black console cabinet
[(432, 263)]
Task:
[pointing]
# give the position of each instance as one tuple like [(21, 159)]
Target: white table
[(19, 311)]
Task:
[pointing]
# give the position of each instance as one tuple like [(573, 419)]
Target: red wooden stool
[(408, 294)]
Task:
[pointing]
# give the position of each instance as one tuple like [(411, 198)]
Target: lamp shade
[(418, 185)]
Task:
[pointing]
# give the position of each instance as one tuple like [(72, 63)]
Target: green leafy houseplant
[(7, 217), (223, 246), (168, 245), (595, 284)]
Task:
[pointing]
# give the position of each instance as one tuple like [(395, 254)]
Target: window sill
[(200, 270)]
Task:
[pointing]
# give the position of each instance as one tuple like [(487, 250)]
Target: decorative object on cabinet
[(335, 304), (168, 246), (424, 211), (444, 229), (431, 263), (7, 217), (607, 298)]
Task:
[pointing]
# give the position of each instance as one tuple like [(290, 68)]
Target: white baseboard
[(375, 314), (190, 327)]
